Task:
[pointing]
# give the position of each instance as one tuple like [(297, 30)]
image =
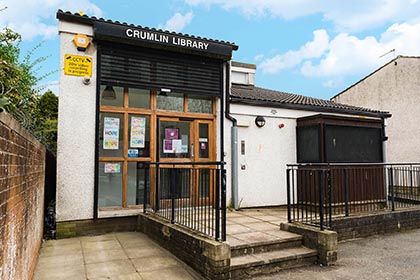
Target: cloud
[(178, 21), (49, 85), (346, 54), (312, 49), (37, 18), (347, 16)]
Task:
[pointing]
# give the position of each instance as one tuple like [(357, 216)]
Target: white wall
[(76, 133), (394, 88), (267, 152)]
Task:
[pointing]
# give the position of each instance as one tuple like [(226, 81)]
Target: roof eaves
[(309, 107), (76, 17)]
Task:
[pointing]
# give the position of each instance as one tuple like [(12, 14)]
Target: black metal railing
[(189, 194), (319, 193)]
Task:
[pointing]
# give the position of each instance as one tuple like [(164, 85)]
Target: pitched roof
[(76, 17), (266, 97), (374, 72)]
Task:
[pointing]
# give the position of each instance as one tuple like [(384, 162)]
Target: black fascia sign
[(112, 31)]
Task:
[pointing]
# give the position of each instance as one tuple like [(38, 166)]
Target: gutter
[(233, 141)]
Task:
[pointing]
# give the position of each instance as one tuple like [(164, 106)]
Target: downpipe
[(233, 141)]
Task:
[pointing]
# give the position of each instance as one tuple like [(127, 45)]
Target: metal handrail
[(346, 188), (210, 220)]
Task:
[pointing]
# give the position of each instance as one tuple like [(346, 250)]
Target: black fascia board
[(218, 49)]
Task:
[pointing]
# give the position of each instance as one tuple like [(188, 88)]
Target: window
[(129, 119)]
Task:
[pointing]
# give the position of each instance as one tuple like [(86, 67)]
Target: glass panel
[(181, 178), (203, 141), (174, 139), (109, 99), (110, 184), (138, 98), (199, 104), (170, 101), (136, 174), (139, 136), (204, 182), (111, 135)]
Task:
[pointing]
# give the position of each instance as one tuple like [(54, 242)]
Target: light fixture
[(109, 93), (260, 121)]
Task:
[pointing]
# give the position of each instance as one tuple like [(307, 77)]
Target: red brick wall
[(22, 170)]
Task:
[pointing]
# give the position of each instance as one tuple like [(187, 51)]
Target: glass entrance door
[(184, 146)]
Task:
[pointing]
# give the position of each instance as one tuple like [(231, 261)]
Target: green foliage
[(46, 120), (19, 94)]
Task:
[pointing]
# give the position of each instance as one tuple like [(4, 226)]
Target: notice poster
[(177, 146), (167, 146), (112, 167), (133, 153), (171, 133), (111, 133), (138, 132)]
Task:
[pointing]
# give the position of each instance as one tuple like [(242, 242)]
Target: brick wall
[(22, 170), (377, 223), (209, 257), (95, 227)]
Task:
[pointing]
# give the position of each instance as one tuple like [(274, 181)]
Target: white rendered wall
[(394, 88), (76, 133), (267, 152)]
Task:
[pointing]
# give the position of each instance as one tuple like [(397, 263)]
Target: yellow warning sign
[(77, 65)]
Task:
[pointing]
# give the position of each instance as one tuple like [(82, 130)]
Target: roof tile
[(243, 93)]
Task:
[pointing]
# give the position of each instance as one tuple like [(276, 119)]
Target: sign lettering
[(76, 65)]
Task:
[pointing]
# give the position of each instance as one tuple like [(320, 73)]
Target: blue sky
[(311, 47)]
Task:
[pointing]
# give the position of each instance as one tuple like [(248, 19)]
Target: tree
[(46, 120), (17, 79), (19, 94)]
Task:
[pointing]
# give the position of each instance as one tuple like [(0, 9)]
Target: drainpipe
[(233, 141), (384, 139)]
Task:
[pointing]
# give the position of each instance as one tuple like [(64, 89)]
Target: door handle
[(192, 151)]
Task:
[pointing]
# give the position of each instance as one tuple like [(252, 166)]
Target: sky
[(311, 47)]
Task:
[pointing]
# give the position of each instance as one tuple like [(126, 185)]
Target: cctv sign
[(77, 65)]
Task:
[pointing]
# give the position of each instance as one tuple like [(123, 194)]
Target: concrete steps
[(252, 259)]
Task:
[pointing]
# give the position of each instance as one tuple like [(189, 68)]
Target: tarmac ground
[(387, 257)]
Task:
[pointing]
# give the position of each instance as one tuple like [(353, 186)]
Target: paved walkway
[(255, 225), (132, 255), (123, 256)]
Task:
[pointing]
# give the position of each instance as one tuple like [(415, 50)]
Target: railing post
[(391, 187), (329, 198), (146, 177), (157, 182), (346, 192), (223, 203), (172, 189), (217, 205), (289, 214), (321, 198)]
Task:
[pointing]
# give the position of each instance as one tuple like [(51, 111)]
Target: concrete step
[(285, 240), (251, 265)]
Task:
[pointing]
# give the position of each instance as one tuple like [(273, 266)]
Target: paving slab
[(99, 256), (119, 256), (172, 273), (155, 263), (109, 269)]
